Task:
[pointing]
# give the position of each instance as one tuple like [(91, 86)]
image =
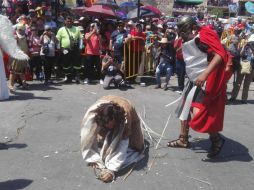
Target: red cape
[(211, 115)]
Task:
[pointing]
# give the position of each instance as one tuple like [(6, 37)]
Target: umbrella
[(96, 10), (121, 15), (191, 2), (152, 9), (109, 3), (78, 10), (127, 6), (249, 6), (145, 11)]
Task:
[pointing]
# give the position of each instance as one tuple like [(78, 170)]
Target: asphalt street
[(42, 129)]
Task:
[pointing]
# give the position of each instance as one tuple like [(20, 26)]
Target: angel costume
[(9, 45), (116, 152)]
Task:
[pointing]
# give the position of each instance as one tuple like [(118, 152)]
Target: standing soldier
[(204, 94)]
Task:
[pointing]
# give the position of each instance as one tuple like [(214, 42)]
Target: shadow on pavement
[(43, 87), (26, 96), (15, 184), (231, 151), (138, 165), (16, 145), (239, 102)]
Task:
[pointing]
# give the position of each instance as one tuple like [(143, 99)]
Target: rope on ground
[(166, 125), (178, 99)]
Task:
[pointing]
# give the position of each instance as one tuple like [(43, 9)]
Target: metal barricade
[(132, 58), (137, 62)]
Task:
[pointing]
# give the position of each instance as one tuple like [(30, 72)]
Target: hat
[(47, 27), (60, 19), (159, 26), (22, 17), (80, 28), (33, 28), (93, 24), (251, 38), (164, 41), (130, 22), (81, 18), (31, 11), (76, 22), (21, 27), (148, 27)]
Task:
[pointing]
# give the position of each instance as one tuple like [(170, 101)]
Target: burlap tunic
[(133, 129)]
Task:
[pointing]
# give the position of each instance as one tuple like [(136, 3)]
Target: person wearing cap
[(117, 41), (202, 103), (49, 21), (32, 15), (166, 60), (69, 38), (49, 43), (92, 52), (129, 26)]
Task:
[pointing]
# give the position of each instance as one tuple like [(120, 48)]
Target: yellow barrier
[(137, 61), (133, 60)]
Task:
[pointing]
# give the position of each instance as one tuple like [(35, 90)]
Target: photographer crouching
[(111, 70)]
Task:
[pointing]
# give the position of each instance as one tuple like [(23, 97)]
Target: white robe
[(9, 45), (121, 157), (4, 94), (196, 63)]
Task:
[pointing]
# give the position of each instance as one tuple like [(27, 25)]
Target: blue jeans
[(163, 68), (180, 71)]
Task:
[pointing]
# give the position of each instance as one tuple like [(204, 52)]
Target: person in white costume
[(8, 44), (111, 136)]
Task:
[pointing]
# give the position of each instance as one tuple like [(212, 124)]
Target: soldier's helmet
[(186, 23)]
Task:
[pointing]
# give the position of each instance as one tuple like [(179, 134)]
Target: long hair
[(107, 112)]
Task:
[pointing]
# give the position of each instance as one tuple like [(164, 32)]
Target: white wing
[(7, 40)]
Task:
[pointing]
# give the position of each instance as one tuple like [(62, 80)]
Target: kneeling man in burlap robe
[(111, 136)]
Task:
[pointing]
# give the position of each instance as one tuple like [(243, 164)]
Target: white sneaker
[(179, 91), (101, 81)]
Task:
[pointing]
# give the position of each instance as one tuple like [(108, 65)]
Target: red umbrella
[(100, 11), (78, 10), (151, 8)]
